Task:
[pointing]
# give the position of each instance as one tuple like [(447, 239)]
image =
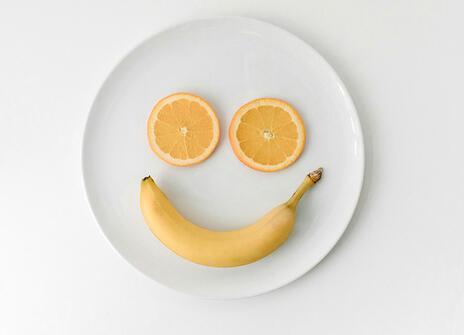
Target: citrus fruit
[(267, 134), (183, 129)]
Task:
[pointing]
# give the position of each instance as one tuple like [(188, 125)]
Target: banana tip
[(145, 178), (316, 175)]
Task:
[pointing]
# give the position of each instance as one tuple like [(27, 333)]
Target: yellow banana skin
[(219, 248)]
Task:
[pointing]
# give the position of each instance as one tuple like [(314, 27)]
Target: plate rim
[(353, 116)]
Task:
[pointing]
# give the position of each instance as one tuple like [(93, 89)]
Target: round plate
[(228, 61)]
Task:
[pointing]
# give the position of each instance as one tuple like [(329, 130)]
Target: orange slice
[(183, 129), (267, 134)]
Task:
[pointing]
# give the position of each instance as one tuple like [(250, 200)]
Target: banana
[(219, 248)]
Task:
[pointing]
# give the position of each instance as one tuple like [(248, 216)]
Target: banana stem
[(310, 180)]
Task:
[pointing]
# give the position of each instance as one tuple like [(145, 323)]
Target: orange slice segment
[(267, 134), (183, 129)]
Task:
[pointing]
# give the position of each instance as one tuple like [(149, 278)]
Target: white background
[(399, 269)]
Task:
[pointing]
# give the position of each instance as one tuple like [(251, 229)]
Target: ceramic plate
[(228, 61)]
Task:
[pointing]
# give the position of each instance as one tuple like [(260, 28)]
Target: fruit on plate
[(220, 248), (267, 134), (183, 129)]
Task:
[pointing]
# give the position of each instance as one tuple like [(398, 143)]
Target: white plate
[(228, 61)]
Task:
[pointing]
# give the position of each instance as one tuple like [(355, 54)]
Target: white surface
[(230, 61), (399, 268)]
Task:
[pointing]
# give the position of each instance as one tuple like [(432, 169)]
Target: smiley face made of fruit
[(266, 134)]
